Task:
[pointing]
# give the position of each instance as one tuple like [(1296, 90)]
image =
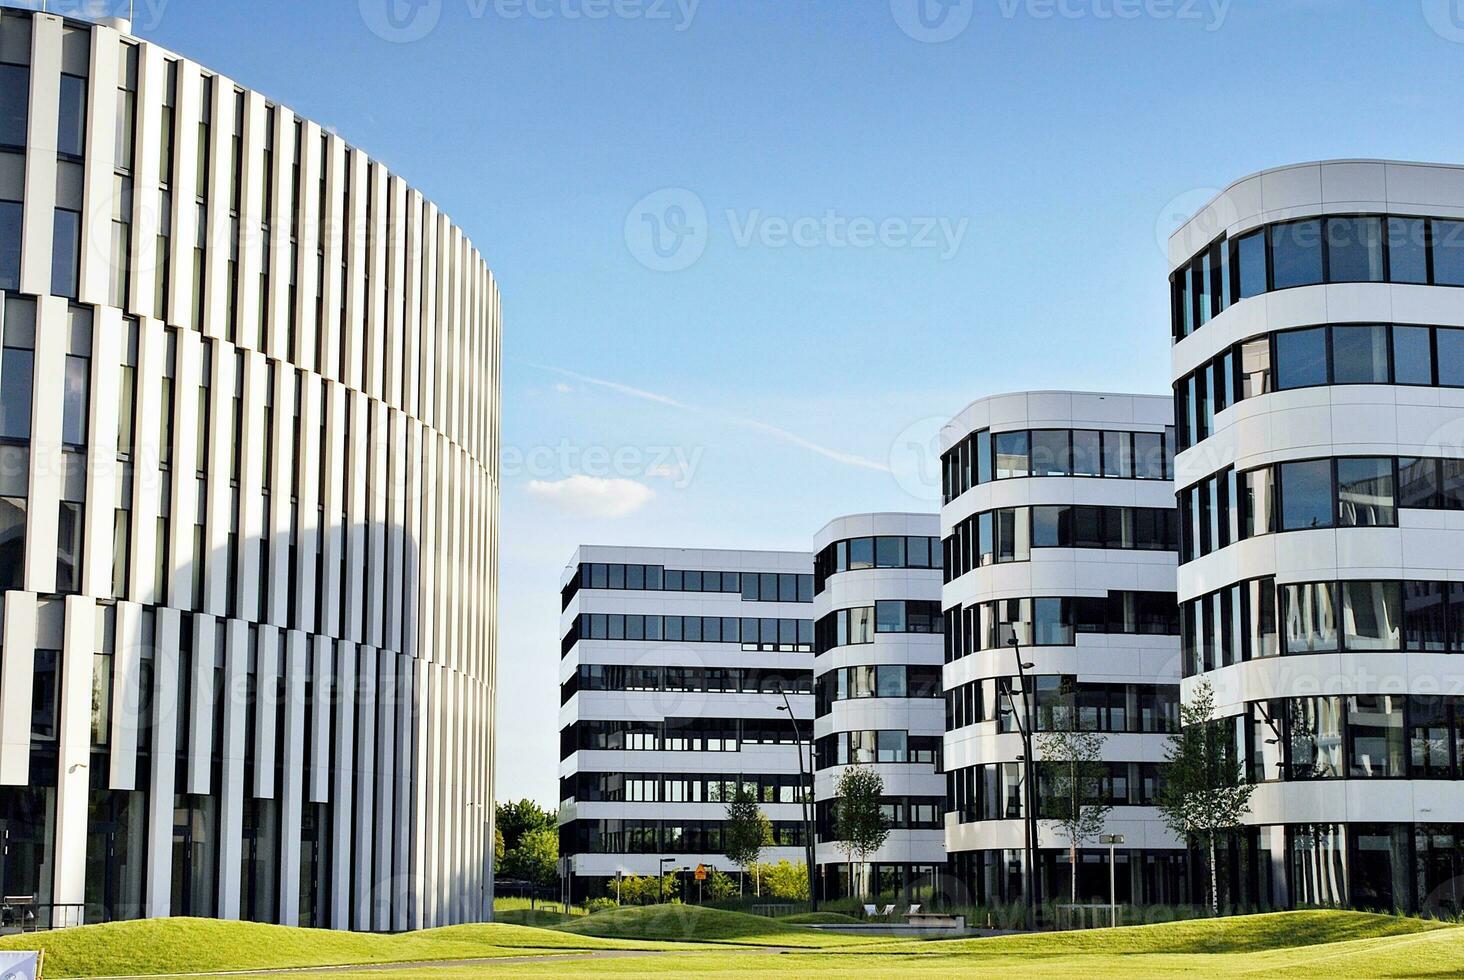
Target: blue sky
[(752, 252)]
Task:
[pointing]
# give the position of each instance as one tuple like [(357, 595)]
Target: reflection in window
[(1372, 615), (1315, 726), (1448, 252), (1375, 741), (1354, 249), (1296, 253), (1412, 356), (1311, 617), (1360, 355), (1365, 495), (1407, 250), (1011, 455), (1301, 358)]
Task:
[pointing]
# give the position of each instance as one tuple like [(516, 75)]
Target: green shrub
[(600, 905)]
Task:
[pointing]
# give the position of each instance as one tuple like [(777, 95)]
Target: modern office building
[(877, 694), (248, 507), (1059, 529), (676, 667), (1318, 327)]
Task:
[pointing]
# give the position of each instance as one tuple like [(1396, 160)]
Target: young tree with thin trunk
[(1204, 792), (745, 834), (1073, 770), (859, 824)]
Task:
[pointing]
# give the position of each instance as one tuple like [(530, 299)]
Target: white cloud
[(592, 496), (563, 388)]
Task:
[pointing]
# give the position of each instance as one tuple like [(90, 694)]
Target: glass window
[(1301, 358), (918, 551), (1013, 528), (1429, 736), (1412, 356), (889, 552), (1372, 615), (1407, 250), (1360, 355), (11, 214), (71, 133), (1118, 455), (1355, 249), (14, 104), (1375, 738), (861, 553), (65, 252), (1261, 614), (1050, 454), (890, 682), (1448, 252), (1251, 264), (1149, 456), (984, 464), (1011, 455), (1255, 367), (1051, 624), (1418, 483), (1087, 453), (1311, 617), (1306, 494), (1050, 527), (1425, 617), (889, 616), (1365, 496), (1296, 253), (1316, 737), (16, 368), (1450, 356), (787, 587), (12, 541), (1258, 503), (892, 746)]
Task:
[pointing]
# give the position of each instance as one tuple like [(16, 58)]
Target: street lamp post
[(1112, 840), (661, 873), (1029, 780), (806, 799)]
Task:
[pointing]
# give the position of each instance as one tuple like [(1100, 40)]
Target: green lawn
[(632, 942), (182, 945), (693, 923)]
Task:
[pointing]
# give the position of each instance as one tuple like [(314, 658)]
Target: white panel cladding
[(256, 293), (1060, 572), (1336, 420)]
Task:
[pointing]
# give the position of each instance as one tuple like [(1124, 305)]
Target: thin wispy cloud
[(756, 425)]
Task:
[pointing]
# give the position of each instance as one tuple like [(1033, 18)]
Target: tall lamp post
[(661, 871), (1029, 779), (806, 800)]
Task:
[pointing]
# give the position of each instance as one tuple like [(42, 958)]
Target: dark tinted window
[(1450, 356), (1448, 252), (1360, 355), (1050, 455), (10, 226), (1418, 483), (1365, 495), (1301, 358), (71, 133), (1412, 356), (1251, 254), (1354, 249), (1306, 494), (14, 103), (1407, 250), (1296, 253)]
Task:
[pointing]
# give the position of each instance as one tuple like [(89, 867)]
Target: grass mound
[(1233, 934), (538, 918), (819, 919), (184, 945), (693, 923)]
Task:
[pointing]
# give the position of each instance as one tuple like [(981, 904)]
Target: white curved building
[(1319, 379), (1059, 525), (877, 694), (248, 502)]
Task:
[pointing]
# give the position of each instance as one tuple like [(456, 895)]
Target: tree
[(518, 818), (746, 832), (787, 880), (1072, 762), (859, 824), (535, 859), (1204, 793), (497, 849)]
